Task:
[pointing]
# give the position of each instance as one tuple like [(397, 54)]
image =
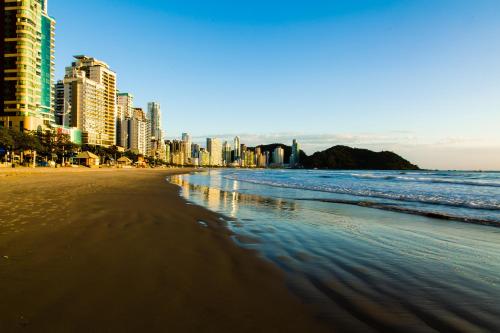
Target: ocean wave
[(406, 210), (415, 197), (427, 180)]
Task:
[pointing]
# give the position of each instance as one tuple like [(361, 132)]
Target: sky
[(418, 77)]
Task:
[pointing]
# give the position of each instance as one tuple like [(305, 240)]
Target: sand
[(119, 251)]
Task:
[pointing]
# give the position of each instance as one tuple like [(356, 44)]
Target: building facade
[(295, 157), (138, 132), (279, 157), (27, 65), (154, 116), (90, 100), (214, 147), (227, 151), (83, 107), (237, 149), (125, 111)]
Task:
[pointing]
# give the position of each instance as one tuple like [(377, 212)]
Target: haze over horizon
[(420, 78)]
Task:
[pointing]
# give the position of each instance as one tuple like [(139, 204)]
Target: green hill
[(343, 157)]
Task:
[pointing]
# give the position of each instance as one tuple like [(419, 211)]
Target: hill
[(343, 157)]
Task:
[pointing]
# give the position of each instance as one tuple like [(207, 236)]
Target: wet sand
[(119, 251)]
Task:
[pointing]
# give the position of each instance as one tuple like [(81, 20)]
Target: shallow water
[(363, 268)]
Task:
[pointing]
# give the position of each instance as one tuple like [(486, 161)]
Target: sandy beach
[(119, 251)]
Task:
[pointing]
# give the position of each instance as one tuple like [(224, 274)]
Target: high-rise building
[(125, 111), (214, 147), (59, 107), (186, 138), (195, 150), (168, 149), (237, 149), (279, 156), (204, 159), (138, 132), (226, 153), (83, 106), (249, 158), (295, 157), (90, 95), (98, 71), (27, 65), (154, 116), (177, 152)]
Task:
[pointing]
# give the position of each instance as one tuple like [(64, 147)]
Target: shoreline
[(120, 252)]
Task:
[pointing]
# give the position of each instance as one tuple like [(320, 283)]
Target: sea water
[(360, 248)]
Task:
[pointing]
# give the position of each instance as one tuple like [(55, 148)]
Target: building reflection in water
[(229, 200)]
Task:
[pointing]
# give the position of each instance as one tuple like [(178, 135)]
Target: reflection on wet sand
[(219, 200)]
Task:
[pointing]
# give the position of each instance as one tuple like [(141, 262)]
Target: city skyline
[(367, 69)]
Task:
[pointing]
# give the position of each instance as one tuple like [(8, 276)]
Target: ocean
[(415, 251)]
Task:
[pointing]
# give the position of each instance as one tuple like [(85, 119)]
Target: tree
[(6, 140)]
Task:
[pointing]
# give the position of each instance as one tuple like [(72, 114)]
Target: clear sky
[(420, 77)]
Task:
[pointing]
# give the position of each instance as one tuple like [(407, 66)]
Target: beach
[(120, 251)]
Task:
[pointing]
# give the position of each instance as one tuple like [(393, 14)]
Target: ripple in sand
[(246, 239)]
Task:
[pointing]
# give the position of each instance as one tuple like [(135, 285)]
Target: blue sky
[(418, 77)]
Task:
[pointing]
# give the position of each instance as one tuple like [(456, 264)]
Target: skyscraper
[(27, 65), (138, 132), (226, 153), (83, 106), (295, 157), (154, 116), (278, 156), (214, 147), (90, 100), (237, 149), (59, 108), (125, 101), (187, 139)]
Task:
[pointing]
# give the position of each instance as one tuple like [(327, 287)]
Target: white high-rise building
[(237, 149), (279, 156), (92, 86), (187, 139), (138, 129), (83, 107), (214, 147)]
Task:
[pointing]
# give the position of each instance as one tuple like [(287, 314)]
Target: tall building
[(83, 106), (195, 150), (125, 111), (295, 157), (226, 153), (154, 116), (204, 159), (237, 149), (177, 152), (59, 107), (98, 71), (186, 138), (168, 148), (214, 147), (138, 132), (279, 157), (90, 92), (27, 65)]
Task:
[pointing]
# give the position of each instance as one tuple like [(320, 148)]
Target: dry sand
[(120, 251)]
